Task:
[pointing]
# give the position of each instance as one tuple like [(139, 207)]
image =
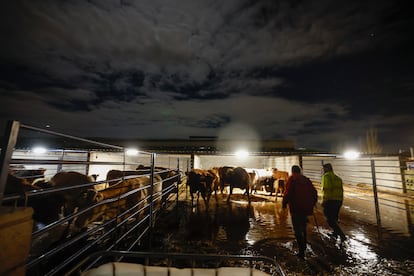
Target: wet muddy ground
[(264, 228)]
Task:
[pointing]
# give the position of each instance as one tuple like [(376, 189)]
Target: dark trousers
[(331, 210), (299, 227)]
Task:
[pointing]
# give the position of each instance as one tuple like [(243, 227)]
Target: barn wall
[(283, 163), (173, 161), (209, 161), (353, 172), (98, 160), (58, 155), (117, 158)]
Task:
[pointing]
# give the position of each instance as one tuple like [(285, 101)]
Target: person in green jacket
[(332, 197)]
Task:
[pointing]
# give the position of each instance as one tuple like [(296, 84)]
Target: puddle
[(264, 228)]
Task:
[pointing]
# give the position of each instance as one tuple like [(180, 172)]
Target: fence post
[(151, 196), (403, 170), (374, 188), (151, 205), (178, 179), (8, 145)]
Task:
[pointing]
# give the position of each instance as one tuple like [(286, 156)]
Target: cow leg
[(198, 197), (231, 192), (208, 201), (248, 194), (277, 188), (281, 187), (67, 211)]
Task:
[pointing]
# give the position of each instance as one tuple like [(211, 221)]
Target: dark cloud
[(214, 121)]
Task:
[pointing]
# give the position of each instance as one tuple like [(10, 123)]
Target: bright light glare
[(131, 152), (351, 154), (242, 153), (39, 150)]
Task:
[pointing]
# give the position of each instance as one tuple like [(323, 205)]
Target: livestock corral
[(66, 211)]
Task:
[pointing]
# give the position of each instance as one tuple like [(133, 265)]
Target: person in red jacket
[(301, 196)]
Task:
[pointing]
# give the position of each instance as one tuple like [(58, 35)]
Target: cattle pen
[(51, 227), (68, 207)]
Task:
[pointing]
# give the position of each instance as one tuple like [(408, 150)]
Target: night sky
[(319, 72)]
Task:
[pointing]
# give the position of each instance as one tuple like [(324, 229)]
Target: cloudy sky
[(319, 72)]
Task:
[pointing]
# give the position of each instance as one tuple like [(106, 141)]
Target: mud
[(264, 228)]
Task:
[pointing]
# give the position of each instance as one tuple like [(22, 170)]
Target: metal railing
[(58, 244), (262, 263)]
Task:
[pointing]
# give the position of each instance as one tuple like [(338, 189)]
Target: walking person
[(301, 196), (332, 197)]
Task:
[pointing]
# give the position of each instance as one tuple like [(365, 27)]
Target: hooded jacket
[(300, 195)]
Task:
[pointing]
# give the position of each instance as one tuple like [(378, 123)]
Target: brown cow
[(169, 177), (129, 194), (202, 182), (281, 177), (118, 174), (30, 175), (71, 197), (216, 179), (17, 185), (46, 207)]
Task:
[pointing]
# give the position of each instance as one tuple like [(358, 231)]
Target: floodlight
[(131, 152), (242, 153), (39, 150), (351, 154)]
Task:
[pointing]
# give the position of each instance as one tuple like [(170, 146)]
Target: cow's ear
[(99, 197)]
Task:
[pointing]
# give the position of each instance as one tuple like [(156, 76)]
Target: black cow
[(239, 178), (224, 174), (264, 182)]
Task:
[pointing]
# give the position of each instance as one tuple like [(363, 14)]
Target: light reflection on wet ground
[(265, 228)]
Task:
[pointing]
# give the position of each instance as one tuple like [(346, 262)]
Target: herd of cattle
[(204, 182), (72, 192), (68, 192)]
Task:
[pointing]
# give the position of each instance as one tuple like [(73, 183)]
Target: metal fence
[(378, 185), (57, 244), (384, 183), (189, 260)]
